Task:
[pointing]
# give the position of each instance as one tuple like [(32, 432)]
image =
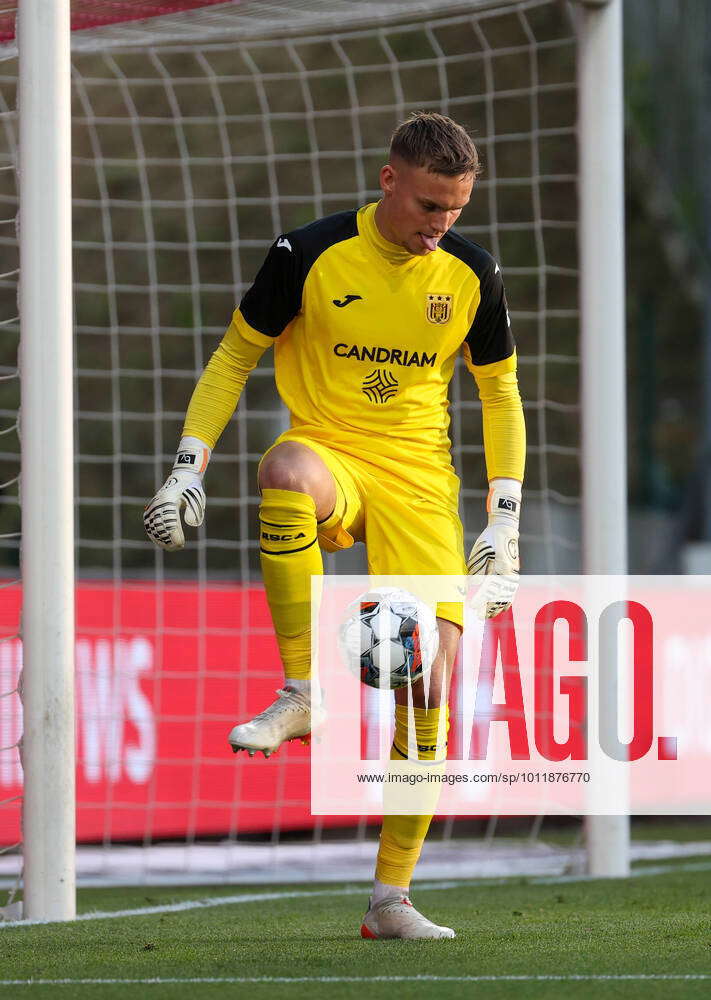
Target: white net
[(196, 139)]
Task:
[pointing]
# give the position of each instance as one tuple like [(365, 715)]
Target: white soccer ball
[(389, 638)]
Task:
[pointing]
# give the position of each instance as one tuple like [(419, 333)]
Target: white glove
[(495, 552), (182, 490)]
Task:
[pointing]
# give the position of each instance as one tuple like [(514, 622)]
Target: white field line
[(671, 977), (259, 897)]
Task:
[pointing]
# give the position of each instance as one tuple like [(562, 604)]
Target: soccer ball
[(389, 638)]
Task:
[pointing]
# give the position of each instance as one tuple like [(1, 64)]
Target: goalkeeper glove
[(182, 490), (495, 552)]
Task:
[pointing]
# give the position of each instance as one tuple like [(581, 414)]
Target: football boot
[(287, 718), (396, 917)]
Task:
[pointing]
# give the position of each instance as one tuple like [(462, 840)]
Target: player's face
[(418, 206)]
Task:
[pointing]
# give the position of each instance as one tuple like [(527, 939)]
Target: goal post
[(47, 466), (602, 346)]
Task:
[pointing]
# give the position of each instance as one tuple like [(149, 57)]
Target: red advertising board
[(164, 672), (162, 675)]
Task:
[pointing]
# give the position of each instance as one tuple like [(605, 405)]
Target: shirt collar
[(391, 252)]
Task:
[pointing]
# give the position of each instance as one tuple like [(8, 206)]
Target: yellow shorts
[(404, 534)]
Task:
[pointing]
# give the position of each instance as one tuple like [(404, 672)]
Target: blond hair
[(427, 139)]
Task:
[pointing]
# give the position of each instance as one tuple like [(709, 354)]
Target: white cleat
[(396, 917), (287, 718)]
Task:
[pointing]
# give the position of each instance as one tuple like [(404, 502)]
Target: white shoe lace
[(394, 903), (289, 700)]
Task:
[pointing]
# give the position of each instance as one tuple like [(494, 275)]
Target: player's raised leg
[(391, 914), (298, 491)]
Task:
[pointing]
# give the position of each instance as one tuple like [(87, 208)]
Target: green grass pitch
[(655, 925)]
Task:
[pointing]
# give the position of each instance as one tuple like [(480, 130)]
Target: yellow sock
[(429, 743), (290, 556), (402, 837)]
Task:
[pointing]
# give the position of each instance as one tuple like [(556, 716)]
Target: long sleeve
[(220, 386), (490, 355), (503, 425)]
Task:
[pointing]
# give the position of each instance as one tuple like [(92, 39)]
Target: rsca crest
[(439, 307)]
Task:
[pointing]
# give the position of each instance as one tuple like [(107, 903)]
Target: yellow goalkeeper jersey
[(366, 335)]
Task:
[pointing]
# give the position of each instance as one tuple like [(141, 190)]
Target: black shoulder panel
[(471, 254), (489, 338), (275, 297), (315, 237)]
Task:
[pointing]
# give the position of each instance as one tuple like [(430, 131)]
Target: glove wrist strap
[(193, 456), (503, 503)]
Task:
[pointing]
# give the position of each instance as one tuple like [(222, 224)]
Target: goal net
[(197, 137)]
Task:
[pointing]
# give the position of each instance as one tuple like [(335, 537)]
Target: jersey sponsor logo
[(270, 537), (346, 300), (283, 242), (439, 307), (386, 355), (380, 386)]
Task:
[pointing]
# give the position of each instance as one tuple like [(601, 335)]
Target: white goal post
[(46, 363), (602, 343), (47, 435)]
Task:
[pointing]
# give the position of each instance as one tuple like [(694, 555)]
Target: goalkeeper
[(367, 311)]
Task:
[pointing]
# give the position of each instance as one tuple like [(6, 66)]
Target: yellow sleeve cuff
[(251, 335), (488, 371)]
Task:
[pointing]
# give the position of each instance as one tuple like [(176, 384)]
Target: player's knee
[(280, 474), (293, 467)]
